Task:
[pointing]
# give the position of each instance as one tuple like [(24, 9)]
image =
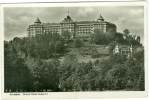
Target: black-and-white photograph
[(74, 49)]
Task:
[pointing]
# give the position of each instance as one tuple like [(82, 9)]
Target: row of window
[(72, 29), (35, 27), (68, 28), (99, 25), (90, 24), (30, 30), (52, 27), (68, 24), (124, 49), (34, 30), (86, 26), (30, 34), (83, 30), (82, 33), (125, 52)]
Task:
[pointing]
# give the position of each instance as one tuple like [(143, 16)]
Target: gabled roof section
[(37, 20), (100, 18), (67, 19)]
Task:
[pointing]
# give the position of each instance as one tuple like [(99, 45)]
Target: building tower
[(68, 25), (37, 21), (35, 29), (100, 18)]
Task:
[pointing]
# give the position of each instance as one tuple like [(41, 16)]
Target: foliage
[(88, 51), (59, 47), (40, 46), (130, 39), (98, 55), (66, 34), (118, 58), (126, 33), (111, 35), (78, 43), (100, 38), (112, 31), (15, 71), (112, 46)]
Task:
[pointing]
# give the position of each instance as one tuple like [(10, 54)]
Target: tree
[(118, 58), (59, 47), (112, 46), (50, 79), (139, 56), (115, 77), (90, 78), (55, 37), (141, 81), (66, 71), (66, 34), (100, 38), (78, 43), (111, 31), (119, 37), (138, 39), (16, 73), (126, 33)]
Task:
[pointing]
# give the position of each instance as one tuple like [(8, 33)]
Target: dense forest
[(32, 64)]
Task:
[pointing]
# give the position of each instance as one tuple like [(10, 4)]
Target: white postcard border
[(105, 94)]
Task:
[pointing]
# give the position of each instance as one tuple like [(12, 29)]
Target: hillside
[(49, 62)]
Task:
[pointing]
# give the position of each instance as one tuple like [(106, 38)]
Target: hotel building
[(77, 29)]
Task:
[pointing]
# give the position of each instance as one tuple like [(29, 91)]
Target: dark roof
[(37, 20), (124, 46), (67, 20), (100, 17), (68, 17)]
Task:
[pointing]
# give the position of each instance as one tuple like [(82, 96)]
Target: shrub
[(98, 55)]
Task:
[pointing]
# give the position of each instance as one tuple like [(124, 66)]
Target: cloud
[(136, 12), (24, 18), (84, 11), (11, 21)]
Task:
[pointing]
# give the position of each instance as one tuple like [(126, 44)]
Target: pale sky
[(17, 19)]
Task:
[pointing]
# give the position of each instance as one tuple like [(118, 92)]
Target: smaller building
[(123, 49)]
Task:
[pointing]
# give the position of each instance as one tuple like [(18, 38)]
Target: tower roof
[(100, 18), (68, 17), (37, 20)]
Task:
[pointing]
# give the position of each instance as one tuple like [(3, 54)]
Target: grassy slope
[(102, 49)]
